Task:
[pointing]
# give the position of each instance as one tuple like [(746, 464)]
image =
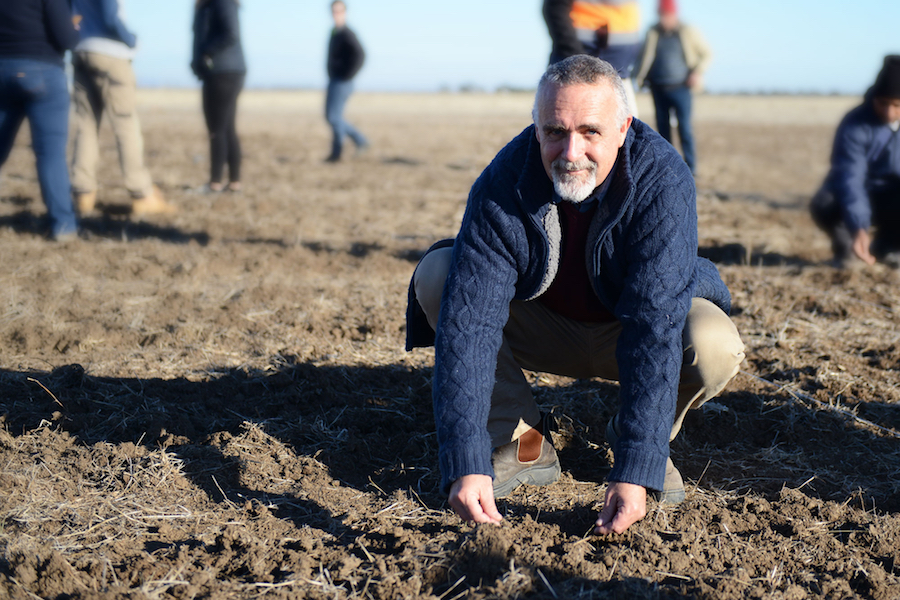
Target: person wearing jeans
[(335, 99), (345, 59), (668, 99), (33, 38), (672, 62), (218, 61)]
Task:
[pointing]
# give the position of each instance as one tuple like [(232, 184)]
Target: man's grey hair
[(583, 69)]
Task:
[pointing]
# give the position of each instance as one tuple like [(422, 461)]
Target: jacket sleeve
[(849, 165), (58, 21), (196, 53), (559, 25), (225, 13), (474, 310), (647, 56), (660, 242), (114, 23), (701, 50), (356, 56)]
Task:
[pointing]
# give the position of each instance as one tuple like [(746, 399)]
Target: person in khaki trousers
[(105, 84), (577, 255)]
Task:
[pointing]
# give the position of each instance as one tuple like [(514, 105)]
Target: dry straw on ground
[(218, 405)]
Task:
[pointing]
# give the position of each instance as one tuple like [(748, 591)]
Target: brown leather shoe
[(530, 460), (85, 202), (153, 203), (673, 484)]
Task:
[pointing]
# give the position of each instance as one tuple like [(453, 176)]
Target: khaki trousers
[(537, 339), (104, 84)]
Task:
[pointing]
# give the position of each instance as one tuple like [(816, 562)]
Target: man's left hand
[(624, 505), (472, 497)]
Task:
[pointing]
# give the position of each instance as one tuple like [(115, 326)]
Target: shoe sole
[(674, 496), (544, 475)]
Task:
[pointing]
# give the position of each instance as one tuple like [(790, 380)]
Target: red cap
[(667, 7)]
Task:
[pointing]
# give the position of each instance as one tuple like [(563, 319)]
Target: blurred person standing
[(674, 57), (861, 192), (345, 59), (34, 36), (607, 29), (218, 61), (105, 83)]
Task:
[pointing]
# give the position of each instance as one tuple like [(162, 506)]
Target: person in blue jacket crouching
[(577, 255), (859, 203)]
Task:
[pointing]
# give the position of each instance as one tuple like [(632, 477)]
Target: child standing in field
[(218, 61)]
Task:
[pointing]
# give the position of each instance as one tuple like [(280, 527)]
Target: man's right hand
[(861, 242), (624, 505), (472, 497)]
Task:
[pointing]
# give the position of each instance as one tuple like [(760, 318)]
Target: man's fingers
[(624, 505), (472, 497), (604, 521), (619, 523), (490, 508), (472, 510)]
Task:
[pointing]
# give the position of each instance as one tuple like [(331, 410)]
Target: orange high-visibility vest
[(620, 18)]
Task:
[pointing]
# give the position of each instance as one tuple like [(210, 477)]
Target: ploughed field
[(217, 404)]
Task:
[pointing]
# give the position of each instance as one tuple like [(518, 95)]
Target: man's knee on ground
[(428, 282), (713, 343)]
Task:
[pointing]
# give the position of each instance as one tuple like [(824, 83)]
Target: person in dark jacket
[(34, 35), (862, 189), (577, 255), (607, 29), (345, 59), (105, 83), (218, 61)]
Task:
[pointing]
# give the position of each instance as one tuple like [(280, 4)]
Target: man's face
[(668, 20), (339, 14), (887, 109), (579, 136)]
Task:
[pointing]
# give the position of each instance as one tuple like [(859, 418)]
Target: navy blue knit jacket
[(644, 267), (865, 158)]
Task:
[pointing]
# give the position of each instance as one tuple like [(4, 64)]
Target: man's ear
[(537, 133), (624, 130)]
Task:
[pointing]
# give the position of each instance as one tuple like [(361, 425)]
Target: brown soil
[(217, 404)]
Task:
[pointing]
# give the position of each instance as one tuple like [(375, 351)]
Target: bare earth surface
[(217, 404)]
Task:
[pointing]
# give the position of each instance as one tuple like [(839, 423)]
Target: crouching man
[(577, 255), (862, 190)]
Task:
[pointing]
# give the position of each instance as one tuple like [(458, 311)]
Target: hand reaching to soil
[(472, 497), (624, 505)]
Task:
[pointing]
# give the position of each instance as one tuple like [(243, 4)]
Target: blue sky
[(820, 46)]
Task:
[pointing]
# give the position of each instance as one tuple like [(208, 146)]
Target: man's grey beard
[(569, 187)]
